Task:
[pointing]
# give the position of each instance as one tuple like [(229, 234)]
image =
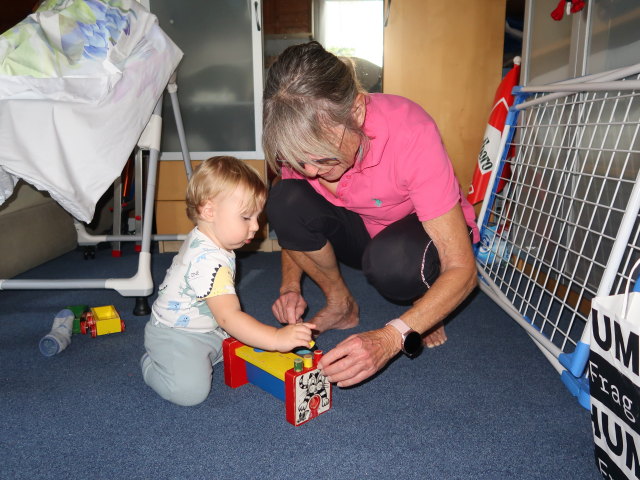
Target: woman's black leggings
[(401, 262)]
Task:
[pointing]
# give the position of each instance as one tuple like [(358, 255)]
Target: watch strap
[(411, 341), (399, 325)]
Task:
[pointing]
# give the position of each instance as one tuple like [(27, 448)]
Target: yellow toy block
[(275, 363), (102, 321)]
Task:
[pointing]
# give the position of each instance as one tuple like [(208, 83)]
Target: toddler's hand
[(292, 336)]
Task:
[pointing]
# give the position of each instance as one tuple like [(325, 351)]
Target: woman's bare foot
[(337, 315), (435, 337)]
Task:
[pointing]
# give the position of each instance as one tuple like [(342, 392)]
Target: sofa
[(33, 230)]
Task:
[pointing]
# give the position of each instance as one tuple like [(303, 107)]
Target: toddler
[(197, 306)]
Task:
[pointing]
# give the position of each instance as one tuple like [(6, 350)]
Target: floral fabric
[(71, 50)]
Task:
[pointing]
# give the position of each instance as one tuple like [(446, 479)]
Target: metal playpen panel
[(560, 222)]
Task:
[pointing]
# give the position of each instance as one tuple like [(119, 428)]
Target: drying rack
[(565, 227), (140, 285)]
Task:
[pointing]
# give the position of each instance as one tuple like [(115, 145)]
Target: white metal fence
[(565, 227)]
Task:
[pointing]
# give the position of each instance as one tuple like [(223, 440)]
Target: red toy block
[(307, 392), (101, 321), (235, 370)]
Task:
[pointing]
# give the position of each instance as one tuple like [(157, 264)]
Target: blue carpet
[(486, 405)]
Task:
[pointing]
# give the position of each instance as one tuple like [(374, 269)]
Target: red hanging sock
[(558, 12), (577, 5)]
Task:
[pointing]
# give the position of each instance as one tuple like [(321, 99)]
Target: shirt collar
[(376, 128)]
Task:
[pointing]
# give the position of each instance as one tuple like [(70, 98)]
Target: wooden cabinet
[(447, 56), (220, 89)]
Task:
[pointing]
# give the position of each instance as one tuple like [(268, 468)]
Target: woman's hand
[(359, 356), (291, 336), (289, 307)]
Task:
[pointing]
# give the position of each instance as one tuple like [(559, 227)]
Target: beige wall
[(447, 56)]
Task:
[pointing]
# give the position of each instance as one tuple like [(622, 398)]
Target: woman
[(366, 181)]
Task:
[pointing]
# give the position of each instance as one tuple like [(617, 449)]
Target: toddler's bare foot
[(435, 337), (337, 315)]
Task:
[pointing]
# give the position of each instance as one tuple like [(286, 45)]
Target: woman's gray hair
[(308, 93)]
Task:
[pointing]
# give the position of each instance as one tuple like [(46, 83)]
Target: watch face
[(413, 344)]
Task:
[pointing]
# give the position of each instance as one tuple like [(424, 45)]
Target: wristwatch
[(411, 340)]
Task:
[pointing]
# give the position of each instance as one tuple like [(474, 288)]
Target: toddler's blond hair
[(222, 175)]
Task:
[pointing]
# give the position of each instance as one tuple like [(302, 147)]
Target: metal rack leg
[(116, 249)]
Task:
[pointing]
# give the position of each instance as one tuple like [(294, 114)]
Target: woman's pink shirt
[(405, 170)]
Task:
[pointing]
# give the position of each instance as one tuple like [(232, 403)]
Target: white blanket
[(78, 82)]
